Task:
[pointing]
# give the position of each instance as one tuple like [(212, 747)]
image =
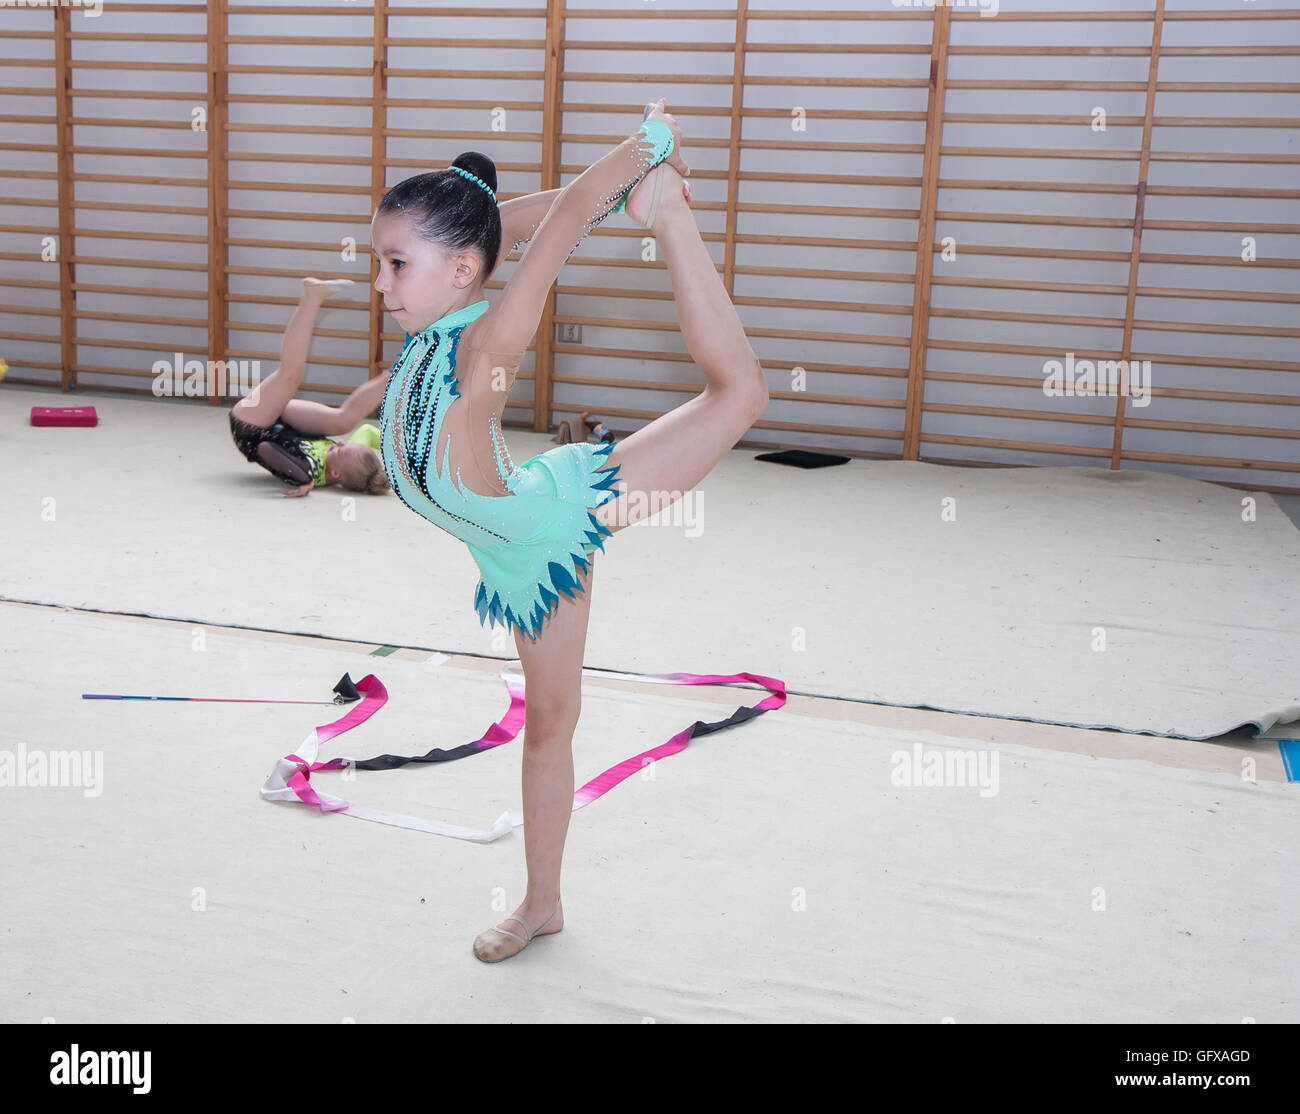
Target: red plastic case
[(64, 415)]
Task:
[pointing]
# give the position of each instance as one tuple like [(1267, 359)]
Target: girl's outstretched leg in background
[(264, 406)]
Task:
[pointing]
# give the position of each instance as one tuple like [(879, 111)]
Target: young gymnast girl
[(533, 529), (291, 437)]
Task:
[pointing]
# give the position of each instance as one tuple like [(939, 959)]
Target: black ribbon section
[(397, 761)]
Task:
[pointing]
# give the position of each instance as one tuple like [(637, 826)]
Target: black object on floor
[(345, 692), (802, 458)]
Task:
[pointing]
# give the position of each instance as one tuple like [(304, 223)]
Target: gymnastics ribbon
[(344, 693), (291, 779)]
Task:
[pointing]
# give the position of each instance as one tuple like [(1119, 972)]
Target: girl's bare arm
[(319, 420), (511, 322)]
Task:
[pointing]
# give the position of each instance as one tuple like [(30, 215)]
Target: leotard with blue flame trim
[(531, 544)]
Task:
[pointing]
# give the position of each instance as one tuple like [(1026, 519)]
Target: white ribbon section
[(277, 788)]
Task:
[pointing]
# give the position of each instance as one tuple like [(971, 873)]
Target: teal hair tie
[(474, 178)]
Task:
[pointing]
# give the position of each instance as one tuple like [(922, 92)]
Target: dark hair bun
[(479, 165)]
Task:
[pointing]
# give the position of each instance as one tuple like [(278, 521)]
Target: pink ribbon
[(292, 775)]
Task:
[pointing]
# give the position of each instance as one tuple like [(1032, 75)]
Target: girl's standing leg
[(264, 406), (552, 704)]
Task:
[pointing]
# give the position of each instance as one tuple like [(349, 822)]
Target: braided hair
[(448, 209)]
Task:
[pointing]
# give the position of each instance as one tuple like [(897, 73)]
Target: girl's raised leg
[(663, 460), (266, 403)]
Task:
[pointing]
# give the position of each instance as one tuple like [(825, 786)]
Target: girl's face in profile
[(419, 281)]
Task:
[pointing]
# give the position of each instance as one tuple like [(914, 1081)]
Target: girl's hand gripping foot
[(656, 111)]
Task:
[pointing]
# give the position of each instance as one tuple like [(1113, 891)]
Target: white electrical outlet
[(569, 334)]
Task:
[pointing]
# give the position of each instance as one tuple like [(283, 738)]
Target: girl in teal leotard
[(533, 529)]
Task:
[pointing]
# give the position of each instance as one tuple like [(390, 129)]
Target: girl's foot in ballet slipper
[(505, 940), (645, 200), (323, 288)]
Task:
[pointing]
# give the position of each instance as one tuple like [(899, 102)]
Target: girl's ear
[(467, 268)]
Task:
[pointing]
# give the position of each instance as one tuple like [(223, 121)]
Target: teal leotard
[(529, 545), (531, 540)]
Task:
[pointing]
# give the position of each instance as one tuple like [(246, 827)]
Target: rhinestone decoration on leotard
[(408, 412), (500, 449), (642, 162)]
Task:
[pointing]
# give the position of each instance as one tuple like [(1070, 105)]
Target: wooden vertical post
[(378, 173), (66, 247), (733, 159), (1135, 255), (552, 129), (218, 177), (925, 232)]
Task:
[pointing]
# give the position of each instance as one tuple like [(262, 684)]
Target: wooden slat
[(218, 338), (857, 370), (1272, 331), (143, 291), (1225, 226), (1023, 284), (63, 174), (1226, 86), (1218, 429), (1029, 318), (733, 148), (1035, 384), (133, 37), (1014, 446), (1033, 218), (138, 235), (1233, 122), (552, 138), (1135, 255), (1056, 86), (1215, 461), (142, 319), (1262, 264), (378, 182), (1168, 360), (963, 463), (1216, 295), (1081, 450), (154, 65), (691, 388), (925, 233)]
